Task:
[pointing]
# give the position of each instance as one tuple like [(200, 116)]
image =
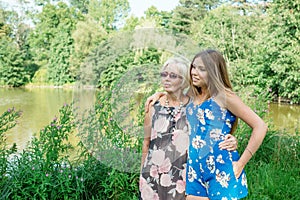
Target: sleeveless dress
[(209, 169), (164, 170)]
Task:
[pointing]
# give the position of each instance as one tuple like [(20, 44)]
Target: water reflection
[(285, 117), (39, 106)]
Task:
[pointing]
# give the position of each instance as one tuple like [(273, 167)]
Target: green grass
[(45, 171)]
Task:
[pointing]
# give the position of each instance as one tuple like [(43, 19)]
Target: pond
[(39, 107), (285, 117)]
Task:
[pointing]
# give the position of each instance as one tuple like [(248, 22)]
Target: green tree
[(102, 57), (109, 13), (12, 69), (16, 65), (43, 2), (5, 28), (162, 18), (281, 49), (226, 29), (59, 69), (87, 36), (189, 11), (131, 23), (262, 48), (51, 41), (81, 5), (237, 36)]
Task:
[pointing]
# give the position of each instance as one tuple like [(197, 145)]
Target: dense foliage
[(260, 40), (94, 43), (105, 163)]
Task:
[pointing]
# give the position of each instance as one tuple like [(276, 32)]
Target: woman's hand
[(230, 143), (237, 168), (153, 98)]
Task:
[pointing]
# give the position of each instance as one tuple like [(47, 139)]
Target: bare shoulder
[(236, 105), (232, 98), (226, 99)]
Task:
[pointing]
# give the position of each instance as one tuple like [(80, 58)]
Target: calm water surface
[(40, 105), (285, 117)]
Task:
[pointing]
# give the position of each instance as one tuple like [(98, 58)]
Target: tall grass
[(274, 171), (44, 170)]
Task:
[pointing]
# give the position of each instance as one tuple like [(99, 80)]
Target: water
[(285, 117), (40, 105)]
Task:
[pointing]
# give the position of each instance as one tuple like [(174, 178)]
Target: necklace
[(173, 112)]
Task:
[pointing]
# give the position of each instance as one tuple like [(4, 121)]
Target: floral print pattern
[(164, 171), (210, 172)]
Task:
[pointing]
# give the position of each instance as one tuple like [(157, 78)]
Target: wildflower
[(70, 176), (32, 168), (47, 175)]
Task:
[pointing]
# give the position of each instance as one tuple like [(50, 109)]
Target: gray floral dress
[(164, 170)]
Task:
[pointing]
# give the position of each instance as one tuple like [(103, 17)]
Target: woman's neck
[(175, 99), (202, 96)]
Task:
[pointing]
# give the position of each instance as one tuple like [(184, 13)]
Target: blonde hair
[(182, 67)]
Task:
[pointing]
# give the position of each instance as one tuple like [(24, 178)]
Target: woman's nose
[(193, 71)]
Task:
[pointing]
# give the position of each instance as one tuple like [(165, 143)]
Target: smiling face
[(199, 73)]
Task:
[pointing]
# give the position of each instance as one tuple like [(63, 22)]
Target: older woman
[(166, 137)]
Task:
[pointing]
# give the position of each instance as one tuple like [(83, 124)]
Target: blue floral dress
[(209, 169)]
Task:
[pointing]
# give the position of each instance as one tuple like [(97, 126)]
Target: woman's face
[(198, 73), (171, 80)]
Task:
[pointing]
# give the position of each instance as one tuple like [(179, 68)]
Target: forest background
[(61, 43), (51, 42)]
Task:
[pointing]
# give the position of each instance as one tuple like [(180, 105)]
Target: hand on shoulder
[(152, 99)]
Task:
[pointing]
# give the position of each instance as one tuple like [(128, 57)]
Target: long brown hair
[(218, 78)]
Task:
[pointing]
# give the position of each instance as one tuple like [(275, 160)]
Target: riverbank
[(279, 100), (43, 170), (282, 100)]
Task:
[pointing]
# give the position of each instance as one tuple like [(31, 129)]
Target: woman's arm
[(259, 129), (147, 135)]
